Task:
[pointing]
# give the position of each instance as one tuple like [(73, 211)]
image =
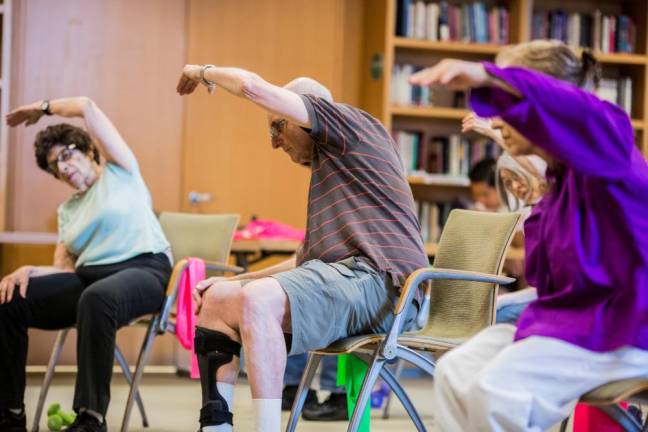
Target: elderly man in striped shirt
[(362, 240)]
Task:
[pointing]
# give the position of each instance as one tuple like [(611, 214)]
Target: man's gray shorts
[(332, 301)]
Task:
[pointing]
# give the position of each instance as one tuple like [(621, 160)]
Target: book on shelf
[(432, 217), (441, 159), (603, 33), (617, 91), (443, 21)]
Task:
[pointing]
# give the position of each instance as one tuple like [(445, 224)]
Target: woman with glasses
[(111, 264)]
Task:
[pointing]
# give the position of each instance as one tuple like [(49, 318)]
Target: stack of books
[(603, 33), (441, 21)]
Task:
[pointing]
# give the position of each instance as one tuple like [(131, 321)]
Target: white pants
[(493, 384)]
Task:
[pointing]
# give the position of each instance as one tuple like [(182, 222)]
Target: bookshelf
[(5, 46), (385, 48)]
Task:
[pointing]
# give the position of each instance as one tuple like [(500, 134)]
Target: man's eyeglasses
[(63, 156), (276, 127)]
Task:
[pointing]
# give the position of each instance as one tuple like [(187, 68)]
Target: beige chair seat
[(617, 391)]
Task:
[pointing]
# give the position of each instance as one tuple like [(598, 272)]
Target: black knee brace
[(213, 349)]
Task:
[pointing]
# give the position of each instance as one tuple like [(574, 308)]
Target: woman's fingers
[(23, 282)]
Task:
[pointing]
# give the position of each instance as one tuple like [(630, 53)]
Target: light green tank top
[(112, 221)]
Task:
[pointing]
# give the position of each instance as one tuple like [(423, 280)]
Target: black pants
[(97, 300)]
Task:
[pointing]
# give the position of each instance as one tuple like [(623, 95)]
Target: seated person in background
[(520, 183), (586, 246), (334, 406), (111, 264), (482, 186), (362, 241)]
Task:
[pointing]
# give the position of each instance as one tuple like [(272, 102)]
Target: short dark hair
[(63, 134), (484, 171)]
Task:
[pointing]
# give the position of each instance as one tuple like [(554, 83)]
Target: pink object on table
[(269, 230), (591, 419), (186, 318)]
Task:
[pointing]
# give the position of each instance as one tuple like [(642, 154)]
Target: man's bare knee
[(261, 300), (220, 306)]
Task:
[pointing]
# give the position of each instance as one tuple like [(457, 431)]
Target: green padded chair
[(465, 276), (204, 236)]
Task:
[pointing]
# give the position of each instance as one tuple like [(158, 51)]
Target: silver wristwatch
[(203, 80)]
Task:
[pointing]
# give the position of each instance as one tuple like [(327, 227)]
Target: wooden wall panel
[(227, 147), (125, 55)]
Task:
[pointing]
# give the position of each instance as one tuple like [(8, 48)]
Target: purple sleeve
[(585, 133)]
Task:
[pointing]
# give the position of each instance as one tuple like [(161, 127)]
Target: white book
[(573, 30), (454, 155), (393, 91), (607, 90), (424, 221), (405, 88), (420, 16), (627, 95), (605, 35), (432, 33), (410, 22)]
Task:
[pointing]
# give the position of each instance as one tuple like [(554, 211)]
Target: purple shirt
[(587, 240)]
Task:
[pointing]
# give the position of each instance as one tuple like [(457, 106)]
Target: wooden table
[(248, 252), (28, 238)]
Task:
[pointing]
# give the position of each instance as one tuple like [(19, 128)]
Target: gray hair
[(305, 85)]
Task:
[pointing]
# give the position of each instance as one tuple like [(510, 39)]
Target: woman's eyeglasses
[(64, 155)]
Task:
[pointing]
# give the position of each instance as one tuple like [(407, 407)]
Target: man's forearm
[(289, 264), (234, 80)]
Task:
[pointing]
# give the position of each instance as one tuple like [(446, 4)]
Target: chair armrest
[(219, 266), (422, 275), (432, 273)]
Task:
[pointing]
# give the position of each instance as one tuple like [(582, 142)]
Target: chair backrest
[(472, 241), (206, 236)]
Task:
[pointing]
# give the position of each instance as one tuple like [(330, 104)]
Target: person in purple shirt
[(586, 247)]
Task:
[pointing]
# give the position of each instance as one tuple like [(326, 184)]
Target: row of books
[(617, 91), (432, 217), (441, 21), (403, 93), (603, 33), (451, 156)]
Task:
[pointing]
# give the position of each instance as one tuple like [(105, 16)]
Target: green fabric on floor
[(351, 372)]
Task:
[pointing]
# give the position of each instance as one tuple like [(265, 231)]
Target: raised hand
[(28, 114), (189, 80), (483, 126), (455, 74)]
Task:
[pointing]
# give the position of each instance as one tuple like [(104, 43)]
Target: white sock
[(267, 415), (227, 391), (16, 411)]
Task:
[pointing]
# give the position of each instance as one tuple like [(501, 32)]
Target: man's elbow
[(253, 87)]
